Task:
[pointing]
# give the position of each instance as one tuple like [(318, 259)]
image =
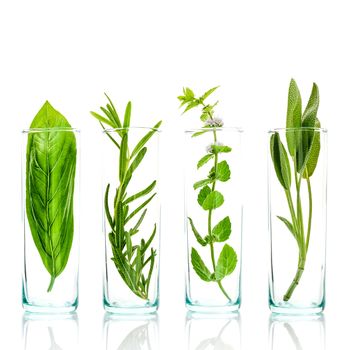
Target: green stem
[(211, 244), (295, 282), (310, 213), (52, 281)]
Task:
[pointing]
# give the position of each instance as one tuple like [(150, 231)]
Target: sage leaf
[(293, 116), (203, 194), (199, 238), (214, 200), (288, 224), (222, 230), (226, 263), (199, 266), (204, 160), (50, 174), (280, 161)]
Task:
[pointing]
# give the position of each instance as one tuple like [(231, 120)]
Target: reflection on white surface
[(131, 332), (297, 332), (50, 332), (213, 332)]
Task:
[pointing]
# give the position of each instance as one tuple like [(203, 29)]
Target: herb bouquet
[(213, 209), (131, 212), (297, 208)]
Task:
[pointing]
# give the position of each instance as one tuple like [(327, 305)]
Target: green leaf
[(114, 113), (199, 266), (202, 183), (209, 92), (135, 163), (144, 140), (203, 194), (222, 230), (132, 214), (199, 238), (220, 149), (280, 161), (313, 153), (127, 115), (102, 119), (214, 200), (141, 193), (222, 173), (226, 263), (288, 224), (293, 116), (109, 136), (204, 160), (123, 157), (107, 211), (50, 173)]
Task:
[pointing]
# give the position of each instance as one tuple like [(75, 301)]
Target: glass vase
[(213, 219), (50, 189), (297, 174), (131, 220)]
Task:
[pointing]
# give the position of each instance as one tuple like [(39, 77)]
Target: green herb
[(50, 172), (134, 261), (209, 198), (303, 144)]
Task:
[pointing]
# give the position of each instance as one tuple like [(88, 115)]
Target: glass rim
[(107, 130), (307, 128), (221, 128), (52, 129)]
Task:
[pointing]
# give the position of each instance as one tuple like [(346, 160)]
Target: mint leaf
[(199, 238), (208, 93), (202, 183), (220, 149), (199, 266), (222, 230), (226, 263), (222, 173), (214, 200), (203, 194), (204, 160)]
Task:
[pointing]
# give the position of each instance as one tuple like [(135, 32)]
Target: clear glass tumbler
[(50, 190), (297, 174), (131, 219), (213, 219)]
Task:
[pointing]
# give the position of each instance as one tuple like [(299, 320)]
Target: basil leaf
[(50, 173), (199, 266), (280, 161), (226, 263)]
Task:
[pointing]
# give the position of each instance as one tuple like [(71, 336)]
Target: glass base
[(213, 309), (49, 309), (290, 309), (137, 310)]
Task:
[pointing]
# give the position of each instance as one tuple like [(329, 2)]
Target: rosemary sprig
[(209, 198), (134, 261)]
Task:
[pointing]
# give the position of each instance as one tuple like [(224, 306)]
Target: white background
[(70, 52)]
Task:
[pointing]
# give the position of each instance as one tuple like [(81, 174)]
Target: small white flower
[(214, 122), (210, 147)]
